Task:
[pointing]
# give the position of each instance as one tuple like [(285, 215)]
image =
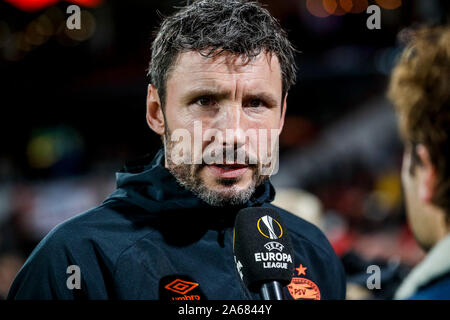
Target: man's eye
[(205, 101), (255, 103)]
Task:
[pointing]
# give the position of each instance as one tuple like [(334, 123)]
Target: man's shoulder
[(304, 230), (309, 239), (439, 289), (316, 257), (107, 228), (91, 240)]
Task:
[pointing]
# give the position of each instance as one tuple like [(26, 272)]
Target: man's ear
[(427, 174), (155, 117), (283, 113)]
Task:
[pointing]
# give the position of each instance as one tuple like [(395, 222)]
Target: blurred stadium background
[(73, 104)]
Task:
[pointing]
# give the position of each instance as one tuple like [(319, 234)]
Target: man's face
[(425, 224), (218, 101)]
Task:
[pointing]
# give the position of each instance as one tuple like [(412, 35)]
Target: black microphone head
[(262, 247)]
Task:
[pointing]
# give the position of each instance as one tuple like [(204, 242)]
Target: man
[(420, 91), (219, 70)]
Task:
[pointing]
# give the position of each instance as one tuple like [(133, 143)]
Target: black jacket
[(153, 239)]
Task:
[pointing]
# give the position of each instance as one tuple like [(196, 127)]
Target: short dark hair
[(211, 27)]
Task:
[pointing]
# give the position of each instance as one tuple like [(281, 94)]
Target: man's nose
[(235, 126)]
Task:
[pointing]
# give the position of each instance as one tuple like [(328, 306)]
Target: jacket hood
[(152, 187)]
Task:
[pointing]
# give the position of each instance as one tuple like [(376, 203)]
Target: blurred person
[(228, 65), (10, 263), (420, 91)]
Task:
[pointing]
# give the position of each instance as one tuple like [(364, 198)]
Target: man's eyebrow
[(266, 97), (220, 94), (196, 93)]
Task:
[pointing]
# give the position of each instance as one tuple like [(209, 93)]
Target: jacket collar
[(435, 264), (153, 188)]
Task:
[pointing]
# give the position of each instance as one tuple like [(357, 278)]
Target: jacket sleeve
[(43, 276), (66, 265)]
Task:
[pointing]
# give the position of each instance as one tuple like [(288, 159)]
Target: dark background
[(73, 112)]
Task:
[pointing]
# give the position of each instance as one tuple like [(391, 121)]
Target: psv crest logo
[(303, 289)]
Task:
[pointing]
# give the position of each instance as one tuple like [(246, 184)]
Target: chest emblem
[(181, 286), (303, 289)]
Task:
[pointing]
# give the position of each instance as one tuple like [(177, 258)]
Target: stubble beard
[(188, 176)]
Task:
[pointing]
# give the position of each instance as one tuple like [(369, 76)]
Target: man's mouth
[(228, 171)]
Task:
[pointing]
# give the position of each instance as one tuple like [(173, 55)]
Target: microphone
[(263, 251)]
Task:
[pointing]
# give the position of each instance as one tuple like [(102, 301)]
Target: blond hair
[(420, 91)]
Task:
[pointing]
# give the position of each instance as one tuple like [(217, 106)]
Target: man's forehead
[(196, 65)]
